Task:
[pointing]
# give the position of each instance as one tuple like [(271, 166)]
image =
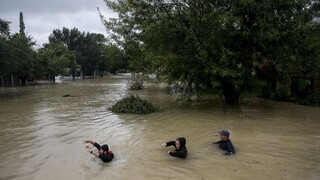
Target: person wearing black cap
[(180, 145), (105, 154), (225, 143)]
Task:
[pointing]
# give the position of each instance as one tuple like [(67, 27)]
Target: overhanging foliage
[(218, 44)]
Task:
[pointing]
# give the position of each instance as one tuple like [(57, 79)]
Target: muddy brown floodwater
[(42, 133)]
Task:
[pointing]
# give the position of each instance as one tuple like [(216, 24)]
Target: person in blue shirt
[(225, 143), (180, 145)]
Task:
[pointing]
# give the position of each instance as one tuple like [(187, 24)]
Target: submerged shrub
[(311, 100), (136, 82), (133, 104), (281, 95)]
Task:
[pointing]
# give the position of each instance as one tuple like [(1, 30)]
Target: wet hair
[(105, 147), (224, 133), (182, 141)]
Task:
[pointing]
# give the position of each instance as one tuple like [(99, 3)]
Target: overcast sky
[(41, 17)]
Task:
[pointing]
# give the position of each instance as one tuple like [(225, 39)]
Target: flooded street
[(42, 133)]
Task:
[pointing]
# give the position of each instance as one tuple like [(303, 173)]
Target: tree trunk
[(11, 78), (73, 74), (101, 73), (23, 79), (2, 81), (269, 74), (231, 95)]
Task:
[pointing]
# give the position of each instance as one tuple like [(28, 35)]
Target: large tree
[(114, 59), (216, 44), (4, 47), (21, 24), (4, 28), (16, 51), (21, 56), (71, 38), (91, 53), (22, 52), (55, 59), (93, 56)]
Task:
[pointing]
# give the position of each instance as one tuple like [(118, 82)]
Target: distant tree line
[(69, 52), (229, 47)]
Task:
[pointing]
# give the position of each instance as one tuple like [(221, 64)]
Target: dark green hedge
[(133, 104)]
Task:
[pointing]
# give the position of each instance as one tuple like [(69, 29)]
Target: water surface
[(42, 133)]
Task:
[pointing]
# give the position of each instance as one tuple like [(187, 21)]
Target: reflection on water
[(42, 132)]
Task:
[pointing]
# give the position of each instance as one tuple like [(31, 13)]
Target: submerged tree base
[(136, 82), (133, 104)]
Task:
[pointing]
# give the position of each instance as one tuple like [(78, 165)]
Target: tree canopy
[(93, 55), (16, 51), (69, 51), (218, 45)]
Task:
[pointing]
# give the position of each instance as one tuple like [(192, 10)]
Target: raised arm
[(94, 144), (170, 143), (90, 141)]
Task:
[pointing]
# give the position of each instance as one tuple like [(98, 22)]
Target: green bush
[(312, 100), (133, 104), (281, 95), (136, 82)]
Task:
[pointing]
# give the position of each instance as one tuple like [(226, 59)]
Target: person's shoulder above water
[(180, 147), (225, 143), (105, 153)]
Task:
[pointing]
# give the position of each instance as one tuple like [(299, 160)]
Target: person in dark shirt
[(105, 154), (180, 145), (225, 143)]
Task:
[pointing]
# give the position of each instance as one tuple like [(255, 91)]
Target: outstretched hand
[(164, 145), (88, 148), (89, 141)]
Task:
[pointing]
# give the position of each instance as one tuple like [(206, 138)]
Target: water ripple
[(42, 136)]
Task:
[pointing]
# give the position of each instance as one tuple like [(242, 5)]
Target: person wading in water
[(180, 145), (105, 154)]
